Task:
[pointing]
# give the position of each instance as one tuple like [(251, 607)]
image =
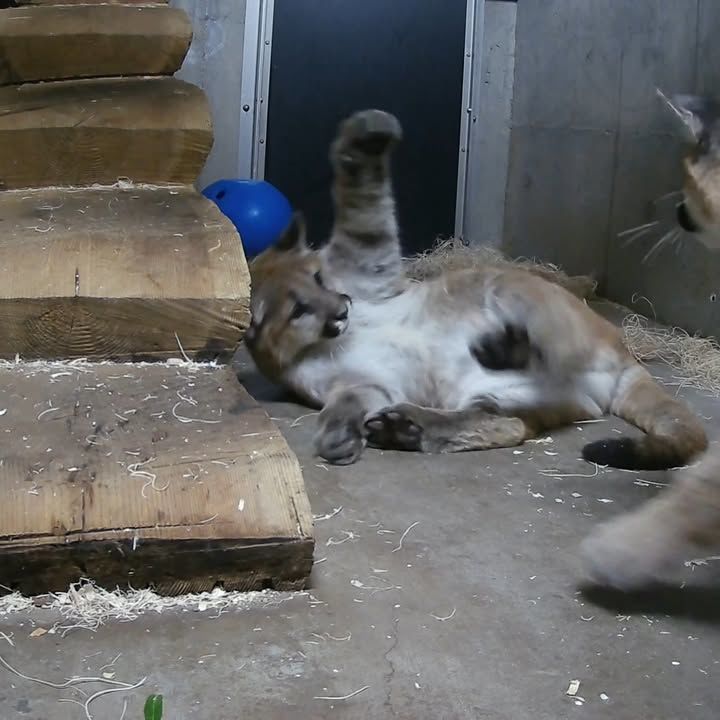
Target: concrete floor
[(476, 614)]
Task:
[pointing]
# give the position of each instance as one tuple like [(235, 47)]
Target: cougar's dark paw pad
[(506, 349), (392, 429), (615, 452)]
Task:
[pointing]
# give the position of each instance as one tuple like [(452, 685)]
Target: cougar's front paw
[(635, 551), (339, 440), (393, 428), (506, 349)]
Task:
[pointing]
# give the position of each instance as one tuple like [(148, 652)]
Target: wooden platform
[(81, 132), (91, 2), (77, 41), (169, 476), (119, 274)]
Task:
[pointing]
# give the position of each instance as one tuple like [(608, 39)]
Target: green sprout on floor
[(154, 707)]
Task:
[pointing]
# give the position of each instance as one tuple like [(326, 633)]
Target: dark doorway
[(333, 57)]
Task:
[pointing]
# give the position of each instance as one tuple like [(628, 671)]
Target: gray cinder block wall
[(590, 151)]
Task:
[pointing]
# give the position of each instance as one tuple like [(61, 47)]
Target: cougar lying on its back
[(683, 522), (468, 360)]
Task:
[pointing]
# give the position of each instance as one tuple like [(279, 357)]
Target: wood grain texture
[(170, 476), (56, 42), (92, 2), (82, 132), (117, 273)]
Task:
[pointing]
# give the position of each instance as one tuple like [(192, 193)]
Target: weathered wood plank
[(118, 274), (162, 475), (81, 132), (92, 2), (56, 42)]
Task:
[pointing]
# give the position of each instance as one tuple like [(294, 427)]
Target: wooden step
[(91, 2), (80, 132), (56, 42), (119, 274), (170, 476)]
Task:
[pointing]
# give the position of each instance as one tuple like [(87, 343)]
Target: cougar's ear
[(293, 238), (695, 112)]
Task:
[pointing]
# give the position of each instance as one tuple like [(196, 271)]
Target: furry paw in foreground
[(652, 544)]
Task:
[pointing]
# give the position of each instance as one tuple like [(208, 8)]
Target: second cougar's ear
[(294, 237), (696, 113)]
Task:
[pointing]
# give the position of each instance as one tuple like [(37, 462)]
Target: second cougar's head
[(699, 212)]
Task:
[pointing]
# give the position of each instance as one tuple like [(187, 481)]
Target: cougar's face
[(699, 211), (292, 308)]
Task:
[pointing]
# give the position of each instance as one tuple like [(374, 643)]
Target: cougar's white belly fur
[(422, 356)]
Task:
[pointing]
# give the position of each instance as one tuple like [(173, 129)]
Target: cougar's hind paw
[(371, 132), (392, 429)]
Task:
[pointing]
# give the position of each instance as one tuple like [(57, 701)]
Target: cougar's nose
[(332, 329)]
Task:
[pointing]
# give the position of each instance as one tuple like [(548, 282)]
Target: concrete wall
[(214, 62), (680, 281), (589, 147)]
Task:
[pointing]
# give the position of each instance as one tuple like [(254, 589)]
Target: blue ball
[(259, 211)]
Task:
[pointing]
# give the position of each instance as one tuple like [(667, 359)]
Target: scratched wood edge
[(168, 567), (163, 559)]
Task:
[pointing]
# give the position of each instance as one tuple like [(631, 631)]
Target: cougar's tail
[(673, 435)]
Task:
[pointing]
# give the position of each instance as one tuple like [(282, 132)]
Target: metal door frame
[(255, 88), (472, 71)]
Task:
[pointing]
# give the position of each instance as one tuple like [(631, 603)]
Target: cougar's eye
[(318, 278), (300, 309)]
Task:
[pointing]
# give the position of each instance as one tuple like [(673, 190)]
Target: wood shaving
[(327, 516), (297, 422), (404, 535), (349, 536), (557, 474), (87, 606), (341, 697), (184, 419), (75, 682)]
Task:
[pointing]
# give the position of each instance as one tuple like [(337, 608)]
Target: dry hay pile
[(453, 254), (696, 360)]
